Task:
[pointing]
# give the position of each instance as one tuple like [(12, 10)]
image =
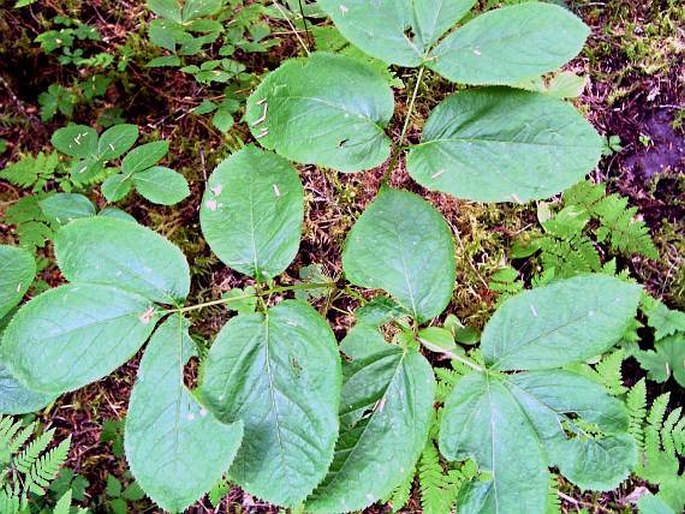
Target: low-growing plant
[(28, 467)]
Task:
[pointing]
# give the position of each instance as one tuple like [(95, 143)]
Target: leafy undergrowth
[(633, 63)]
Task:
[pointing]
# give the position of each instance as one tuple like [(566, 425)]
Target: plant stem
[(464, 360), (412, 102), (397, 149), (282, 289), (294, 29)]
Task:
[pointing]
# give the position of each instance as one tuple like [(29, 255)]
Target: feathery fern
[(26, 467), (661, 440), (617, 222)]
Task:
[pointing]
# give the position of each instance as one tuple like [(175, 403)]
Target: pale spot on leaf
[(211, 205), (146, 317)]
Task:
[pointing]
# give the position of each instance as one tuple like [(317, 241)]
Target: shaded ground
[(636, 91)]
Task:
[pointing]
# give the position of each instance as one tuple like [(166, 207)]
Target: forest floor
[(635, 91)]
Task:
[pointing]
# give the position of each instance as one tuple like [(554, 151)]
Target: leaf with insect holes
[(16, 398), (327, 109), (252, 212), (280, 373), (505, 46), (116, 141), (403, 245), (62, 208), (161, 185), (144, 157), (562, 419), (567, 321), (543, 406), (132, 257), (396, 31), (17, 271), (75, 334), (76, 141), (387, 405), (176, 449), (501, 145)]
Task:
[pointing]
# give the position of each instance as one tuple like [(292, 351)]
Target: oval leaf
[(483, 421), (280, 374), (16, 398), (327, 109), (107, 250), (144, 157), (161, 185), (395, 31), (387, 405), (115, 141), (17, 271), (508, 45), (568, 321), (403, 245), (62, 208), (502, 145), (176, 450), (76, 141), (74, 335), (252, 212)]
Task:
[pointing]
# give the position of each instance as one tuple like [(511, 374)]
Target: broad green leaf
[(396, 31), (17, 271), (116, 141), (653, 504), (76, 141), (75, 334), (568, 321), (252, 212), (598, 464), (194, 9), (387, 405), (116, 187), (161, 185), (503, 145), (279, 373), (403, 245), (363, 341), (176, 449), (62, 208), (144, 157), (526, 419), (483, 421), (505, 46), (169, 9), (112, 251), (438, 339), (16, 398), (113, 212), (667, 358), (328, 109), (86, 171)]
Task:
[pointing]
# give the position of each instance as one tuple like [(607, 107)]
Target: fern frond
[(636, 402), (667, 441), (619, 225), (553, 499), (654, 423), (27, 458), (609, 371), (44, 470), (436, 496), (400, 496)]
